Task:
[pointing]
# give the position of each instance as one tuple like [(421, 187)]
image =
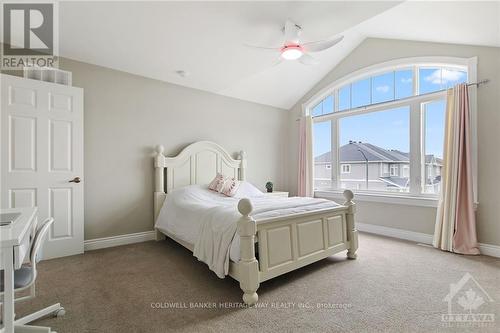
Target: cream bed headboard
[(198, 163)]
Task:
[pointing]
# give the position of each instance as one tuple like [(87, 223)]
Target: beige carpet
[(394, 286)]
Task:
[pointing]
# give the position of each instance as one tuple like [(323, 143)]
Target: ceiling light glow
[(291, 52)]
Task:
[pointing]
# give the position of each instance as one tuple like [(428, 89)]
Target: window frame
[(348, 167), (415, 104), (391, 168)]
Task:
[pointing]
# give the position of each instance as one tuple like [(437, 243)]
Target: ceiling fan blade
[(262, 47), (291, 31), (322, 44), (306, 59)]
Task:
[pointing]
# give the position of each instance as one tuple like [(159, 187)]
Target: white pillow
[(247, 190)]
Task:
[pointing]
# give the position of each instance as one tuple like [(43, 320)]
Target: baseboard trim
[(414, 236), (101, 243), (418, 237), (489, 250)]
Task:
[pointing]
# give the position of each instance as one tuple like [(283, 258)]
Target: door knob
[(75, 180)]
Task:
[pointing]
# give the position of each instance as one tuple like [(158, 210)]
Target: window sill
[(380, 197)]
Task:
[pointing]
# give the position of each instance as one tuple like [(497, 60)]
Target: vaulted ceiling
[(207, 39)]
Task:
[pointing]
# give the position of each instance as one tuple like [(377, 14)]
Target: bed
[(270, 236)]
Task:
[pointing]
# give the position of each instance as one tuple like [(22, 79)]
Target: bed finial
[(160, 149), (245, 206), (348, 195)]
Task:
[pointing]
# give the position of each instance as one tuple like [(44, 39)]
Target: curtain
[(305, 181), (455, 229)]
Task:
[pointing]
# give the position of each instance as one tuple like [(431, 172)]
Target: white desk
[(15, 244)]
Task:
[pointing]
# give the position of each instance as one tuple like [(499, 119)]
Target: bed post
[(352, 233), (248, 266), (243, 166), (159, 186)]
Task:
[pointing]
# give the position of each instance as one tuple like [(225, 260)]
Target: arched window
[(386, 123)]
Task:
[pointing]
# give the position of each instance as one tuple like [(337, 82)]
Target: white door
[(41, 152)]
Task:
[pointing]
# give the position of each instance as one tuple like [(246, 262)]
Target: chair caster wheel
[(59, 313)]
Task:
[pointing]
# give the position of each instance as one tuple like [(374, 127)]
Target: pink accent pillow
[(217, 182), (230, 187)]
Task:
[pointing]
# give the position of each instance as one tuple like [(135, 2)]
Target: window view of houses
[(374, 145), (365, 166)]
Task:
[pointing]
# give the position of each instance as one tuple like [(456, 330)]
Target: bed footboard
[(288, 243)]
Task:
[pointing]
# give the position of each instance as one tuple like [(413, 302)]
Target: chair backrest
[(38, 241)]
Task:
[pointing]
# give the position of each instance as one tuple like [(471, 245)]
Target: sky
[(388, 129)]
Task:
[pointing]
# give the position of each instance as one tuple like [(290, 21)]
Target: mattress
[(198, 216)]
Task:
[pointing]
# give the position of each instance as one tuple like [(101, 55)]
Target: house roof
[(351, 152), (431, 158), (400, 182)]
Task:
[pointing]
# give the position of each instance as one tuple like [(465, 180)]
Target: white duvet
[(208, 220)]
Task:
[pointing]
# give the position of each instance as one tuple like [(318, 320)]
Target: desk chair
[(25, 277)]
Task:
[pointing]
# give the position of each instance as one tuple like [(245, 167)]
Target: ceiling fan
[(293, 49)]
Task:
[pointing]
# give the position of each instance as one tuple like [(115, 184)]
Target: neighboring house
[(388, 170)]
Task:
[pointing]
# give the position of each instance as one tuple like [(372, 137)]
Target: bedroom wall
[(421, 219), (126, 116)]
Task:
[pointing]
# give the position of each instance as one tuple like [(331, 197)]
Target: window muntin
[(324, 107), (317, 110), (429, 80), (438, 78), (346, 168), (406, 83)]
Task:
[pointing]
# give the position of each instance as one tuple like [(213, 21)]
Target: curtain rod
[(476, 84)]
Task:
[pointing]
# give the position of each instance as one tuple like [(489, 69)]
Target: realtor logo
[(467, 304), (29, 34)]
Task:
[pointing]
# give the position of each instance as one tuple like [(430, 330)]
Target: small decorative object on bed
[(223, 231), (269, 186)]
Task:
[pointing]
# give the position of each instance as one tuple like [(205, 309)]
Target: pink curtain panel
[(465, 236)]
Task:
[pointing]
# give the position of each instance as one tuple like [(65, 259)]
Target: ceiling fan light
[(291, 52)]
